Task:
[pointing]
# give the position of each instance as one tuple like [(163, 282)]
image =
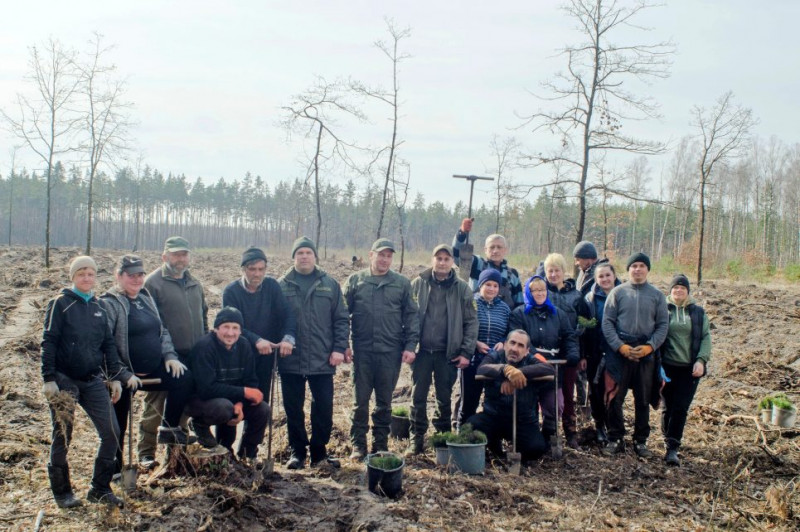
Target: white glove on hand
[(175, 368), (116, 390), (133, 383), (50, 389)]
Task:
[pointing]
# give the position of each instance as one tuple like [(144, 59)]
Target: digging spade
[(269, 463), (514, 458), (556, 445), (467, 250), (130, 470)]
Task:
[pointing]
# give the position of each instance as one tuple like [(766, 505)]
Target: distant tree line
[(752, 212)]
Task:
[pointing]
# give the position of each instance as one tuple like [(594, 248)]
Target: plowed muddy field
[(736, 473)]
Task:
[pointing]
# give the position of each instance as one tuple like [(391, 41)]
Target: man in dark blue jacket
[(223, 363), (511, 370)]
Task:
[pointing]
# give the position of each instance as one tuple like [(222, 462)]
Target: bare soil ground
[(736, 473)]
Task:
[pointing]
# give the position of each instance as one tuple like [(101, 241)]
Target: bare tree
[(390, 98), (46, 121), (106, 118), (313, 113), (724, 131), (504, 152), (596, 103)]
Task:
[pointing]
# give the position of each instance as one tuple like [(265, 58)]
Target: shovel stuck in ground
[(269, 463), (556, 445), (514, 458), (130, 470)]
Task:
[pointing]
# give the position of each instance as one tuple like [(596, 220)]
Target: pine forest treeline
[(753, 213)]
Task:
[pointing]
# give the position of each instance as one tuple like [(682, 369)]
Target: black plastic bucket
[(387, 483), (400, 427)]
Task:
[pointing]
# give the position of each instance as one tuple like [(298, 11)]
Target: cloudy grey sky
[(208, 78)]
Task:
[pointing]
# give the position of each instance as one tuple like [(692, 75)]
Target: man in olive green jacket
[(385, 331), (448, 331), (323, 330), (182, 306)]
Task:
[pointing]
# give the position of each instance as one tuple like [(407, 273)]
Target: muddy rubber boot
[(100, 492), (62, 489)]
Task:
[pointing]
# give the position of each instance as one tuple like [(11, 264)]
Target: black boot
[(204, 436), (62, 489), (100, 491)]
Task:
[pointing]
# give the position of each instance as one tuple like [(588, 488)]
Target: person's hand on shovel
[(466, 225), (285, 348), (515, 377), (460, 362), (238, 415), (506, 388)]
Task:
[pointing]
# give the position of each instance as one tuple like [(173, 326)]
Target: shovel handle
[(148, 382)]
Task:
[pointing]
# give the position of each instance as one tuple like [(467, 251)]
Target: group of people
[(501, 341)]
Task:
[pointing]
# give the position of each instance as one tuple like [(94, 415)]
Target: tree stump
[(193, 461)]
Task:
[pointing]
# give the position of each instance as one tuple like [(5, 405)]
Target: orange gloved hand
[(515, 377), (253, 395), (625, 350), (238, 415), (466, 225), (645, 350)]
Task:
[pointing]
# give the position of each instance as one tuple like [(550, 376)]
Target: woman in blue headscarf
[(552, 337)]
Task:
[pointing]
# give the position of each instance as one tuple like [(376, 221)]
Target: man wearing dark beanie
[(227, 386), (635, 323), (585, 255), (268, 322), (323, 333)]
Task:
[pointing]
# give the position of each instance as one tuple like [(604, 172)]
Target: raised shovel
[(514, 458), (130, 470)]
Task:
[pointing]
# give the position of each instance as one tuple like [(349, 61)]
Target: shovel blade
[(556, 448), (514, 463), (269, 467), (465, 255), (129, 478)]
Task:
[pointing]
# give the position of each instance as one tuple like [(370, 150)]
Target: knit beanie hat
[(679, 280), (79, 263), (638, 257), (489, 274), (251, 254), (304, 242), (228, 315), (584, 250)]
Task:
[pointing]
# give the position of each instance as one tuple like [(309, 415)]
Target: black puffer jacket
[(497, 404), (77, 340), (570, 302), (547, 331)]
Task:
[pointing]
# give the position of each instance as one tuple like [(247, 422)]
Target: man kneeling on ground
[(227, 385), (512, 369)]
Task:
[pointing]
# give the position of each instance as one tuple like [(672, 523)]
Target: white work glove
[(133, 383), (175, 368), (116, 390), (50, 389)]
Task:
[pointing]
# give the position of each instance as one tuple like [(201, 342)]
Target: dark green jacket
[(182, 307), (383, 315), (323, 325), (462, 316)]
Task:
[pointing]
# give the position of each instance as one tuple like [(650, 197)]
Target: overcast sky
[(208, 78)]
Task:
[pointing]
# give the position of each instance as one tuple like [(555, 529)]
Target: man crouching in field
[(227, 385)]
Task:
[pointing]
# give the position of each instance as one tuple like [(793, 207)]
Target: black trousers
[(530, 442), (597, 391), (636, 376), (293, 387), (678, 395), (219, 411), (468, 396)]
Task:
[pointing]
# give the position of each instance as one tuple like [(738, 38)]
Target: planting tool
[(556, 445), (130, 470), (467, 250), (514, 458), (269, 463)]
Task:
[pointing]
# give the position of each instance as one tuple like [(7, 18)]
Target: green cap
[(443, 247), (383, 243), (176, 243)]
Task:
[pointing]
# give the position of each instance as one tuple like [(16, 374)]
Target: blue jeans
[(94, 398)]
